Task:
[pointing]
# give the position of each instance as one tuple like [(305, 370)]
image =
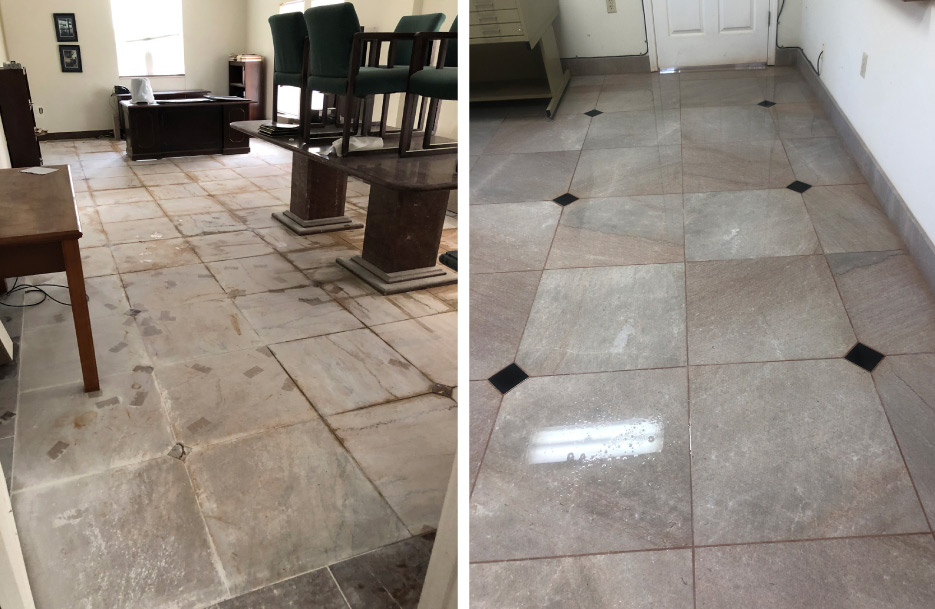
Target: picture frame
[(66, 29), (69, 55)]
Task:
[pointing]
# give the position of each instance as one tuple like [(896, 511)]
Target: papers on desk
[(358, 143), (39, 171)]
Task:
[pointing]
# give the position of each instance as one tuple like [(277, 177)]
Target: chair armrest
[(421, 45)]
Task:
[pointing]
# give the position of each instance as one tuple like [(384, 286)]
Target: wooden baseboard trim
[(77, 135)]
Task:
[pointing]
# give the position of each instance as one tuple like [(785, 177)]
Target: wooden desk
[(174, 94), (405, 215), (184, 128), (39, 234)]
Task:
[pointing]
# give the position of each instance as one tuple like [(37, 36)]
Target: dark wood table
[(171, 94), (39, 234), (184, 128), (405, 215)]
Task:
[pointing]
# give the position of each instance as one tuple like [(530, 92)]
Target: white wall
[(81, 101), (585, 28), (891, 107), (790, 26), (4, 153)]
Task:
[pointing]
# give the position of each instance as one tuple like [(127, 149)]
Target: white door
[(710, 32)]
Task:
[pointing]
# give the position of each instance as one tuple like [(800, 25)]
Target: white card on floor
[(39, 171)]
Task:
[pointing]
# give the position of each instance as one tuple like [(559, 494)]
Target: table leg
[(317, 200), (79, 310), (404, 229)]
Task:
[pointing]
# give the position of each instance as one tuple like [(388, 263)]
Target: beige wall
[(4, 154), (81, 102)]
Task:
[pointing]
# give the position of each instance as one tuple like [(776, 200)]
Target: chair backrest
[(331, 30), (451, 55), (289, 34), (431, 22)]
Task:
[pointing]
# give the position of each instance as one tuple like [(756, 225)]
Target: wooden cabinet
[(245, 79), (19, 124)]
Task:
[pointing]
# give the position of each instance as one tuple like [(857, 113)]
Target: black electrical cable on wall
[(645, 35), (816, 70)]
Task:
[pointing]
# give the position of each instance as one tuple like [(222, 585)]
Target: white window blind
[(297, 6), (149, 37)]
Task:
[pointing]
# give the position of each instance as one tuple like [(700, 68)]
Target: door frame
[(651, 34)]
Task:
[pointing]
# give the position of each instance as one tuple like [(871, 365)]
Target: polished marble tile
[(849, 219), (642, 580), (313, 590), (218, 325), (62, 431), (727, 124), (374, 310), (609, 474), (578, 99), (500, 305), (228, 246), (215, 175), (131, 537), (349, 370), (257, 171), (542, 134), (619, 231), (629, 93), (887, 299), (197, 163), (485, 404), (163, 179), (797, 120), (133, 231), (177, 191), (406, 448), (237, 185), (122, 212), (616, 172), (132, 257), (833, 574), (764, 309), (721, 92), (390, 577), (746, 165), (350, 516), (841, 473), (906, 384), (222, 397), (633, 129), (129, 195), (514, 237), (153, 167), (286, 315), (163, 288), (602, 319), (113, 183), (247, 200), (784, 89), (257, 274), (430, 343), (190, 205), (522, 177), (822, 161), (747, 224), (50, 353)]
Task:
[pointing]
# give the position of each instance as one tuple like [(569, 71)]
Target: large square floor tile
[(288, 315), (834, 574), (227, 246), (820, 161), (105, 298), (794, 450), (849, 219), (485, 404), (747, 224), (406, 448), (171, 287), (619, 231), (631, 129), (257, 274), (741, 165), (132, 257), (641, 580), (430, 343), (499, 244), (727, 124), (609, 318), (650, 170), (887, 299), (317, 506), (522, 177), (391, 576), (721, 92), (764, 309), (500, 305), (130, 537), (539, 134), (349, 370), (609, 474)]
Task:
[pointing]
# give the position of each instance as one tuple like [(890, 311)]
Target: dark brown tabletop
[(419, 173), (37, 208)]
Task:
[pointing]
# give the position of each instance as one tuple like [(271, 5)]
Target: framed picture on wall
[(65, 28), (70, 57)]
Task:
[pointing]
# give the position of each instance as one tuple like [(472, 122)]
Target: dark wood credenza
[(120, 126), (184, 128)]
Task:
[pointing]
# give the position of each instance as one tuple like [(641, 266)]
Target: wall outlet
[(611, 6), (863, 66)]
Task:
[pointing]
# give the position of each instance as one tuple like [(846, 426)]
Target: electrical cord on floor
[(816, 70), (29, 289)]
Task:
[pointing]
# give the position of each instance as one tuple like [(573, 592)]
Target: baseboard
[(76, 135), (918, 243), (786, 57), (598, 66)]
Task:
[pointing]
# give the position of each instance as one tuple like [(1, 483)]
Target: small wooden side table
[(39, 234)]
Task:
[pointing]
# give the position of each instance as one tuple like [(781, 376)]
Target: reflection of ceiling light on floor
[(593, 442)]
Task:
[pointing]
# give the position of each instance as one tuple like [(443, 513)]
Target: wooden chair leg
[(79, 310), (431, 123), (405, 133), (348, 120), (384, 115), (422, 105), (276, 103)]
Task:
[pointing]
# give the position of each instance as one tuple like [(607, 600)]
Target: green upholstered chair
[(289, 52), (436, 83)]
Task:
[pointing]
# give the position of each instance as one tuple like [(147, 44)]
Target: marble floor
[(270, 431), (667, 283)]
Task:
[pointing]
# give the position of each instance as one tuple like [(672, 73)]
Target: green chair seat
[(439, 83), (370, 81), (285, 79)]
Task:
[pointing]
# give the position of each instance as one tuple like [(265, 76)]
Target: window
[(149, 37), (297, 6)]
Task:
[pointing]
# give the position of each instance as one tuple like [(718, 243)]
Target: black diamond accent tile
[(509, 377), (565, 199), (766, 103), (864, 356), (593, 113), (799, 187)]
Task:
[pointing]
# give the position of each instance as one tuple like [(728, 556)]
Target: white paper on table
[(359, 143), (39, 171)]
